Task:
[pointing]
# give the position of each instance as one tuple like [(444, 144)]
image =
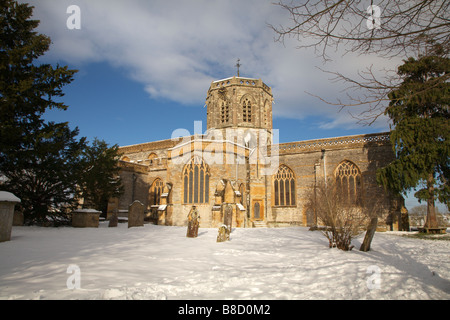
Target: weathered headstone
[(18, 219), (224, 234), (136, 214), (225, 229), (112, 208), (7, 204), (228, 216), (113, 220), (193, 223)]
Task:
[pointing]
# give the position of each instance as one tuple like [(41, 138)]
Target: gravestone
[(224, 234), (193, 223), (113, 220), (228, 216), (136, 214), (225, 229), (18, 218), (7, 204), (112, 207), (85, 218)]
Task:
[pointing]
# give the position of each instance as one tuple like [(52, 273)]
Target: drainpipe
[(133, 187), (247, 188), (324, 167), (316, 172)]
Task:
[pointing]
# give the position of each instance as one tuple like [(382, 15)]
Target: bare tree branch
[(337, 23), (407, 28)]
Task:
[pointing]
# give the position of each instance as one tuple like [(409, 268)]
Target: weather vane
[(238, 65)]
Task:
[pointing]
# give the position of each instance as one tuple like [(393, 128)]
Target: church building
[(237, 167)]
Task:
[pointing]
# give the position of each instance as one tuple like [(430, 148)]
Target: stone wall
[(312, 164)]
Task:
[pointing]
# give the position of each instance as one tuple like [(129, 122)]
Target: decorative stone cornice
[(334, 143), (240, 81)]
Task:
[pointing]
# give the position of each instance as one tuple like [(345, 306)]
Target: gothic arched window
[(196, 182), (155, 192), (284, 187), (348, 179), (247, 110)]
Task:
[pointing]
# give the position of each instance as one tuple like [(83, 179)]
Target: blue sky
[(104, 103), (142, 62), (145, 67)]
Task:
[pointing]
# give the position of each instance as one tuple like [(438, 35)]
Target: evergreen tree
[(40, 162), (419, 109), (46, 177), (43, 163), (100, 179), (26, 90)]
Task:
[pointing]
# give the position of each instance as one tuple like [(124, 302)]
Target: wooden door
[(258, 210)]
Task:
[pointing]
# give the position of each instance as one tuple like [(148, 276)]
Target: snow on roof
[(229, 78), (6, 196)]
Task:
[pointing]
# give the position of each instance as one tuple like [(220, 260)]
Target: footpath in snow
[(159, 262)]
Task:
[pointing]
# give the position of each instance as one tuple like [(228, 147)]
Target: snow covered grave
[(7, 205), (85, 218), (160, 262)]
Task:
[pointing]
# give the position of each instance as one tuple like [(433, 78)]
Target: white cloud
[(176, 48)]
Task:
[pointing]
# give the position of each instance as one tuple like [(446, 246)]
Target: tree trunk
[(365, 246), (431, 213)]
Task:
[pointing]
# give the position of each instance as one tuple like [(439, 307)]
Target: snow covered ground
[(158, 262)]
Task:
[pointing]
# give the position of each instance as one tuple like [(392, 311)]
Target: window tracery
[(348, 179), (196, 182), (155, 192), (284, 187)]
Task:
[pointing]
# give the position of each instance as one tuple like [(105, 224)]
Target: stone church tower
[(239, 103), (241, 107), (240, 111)]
